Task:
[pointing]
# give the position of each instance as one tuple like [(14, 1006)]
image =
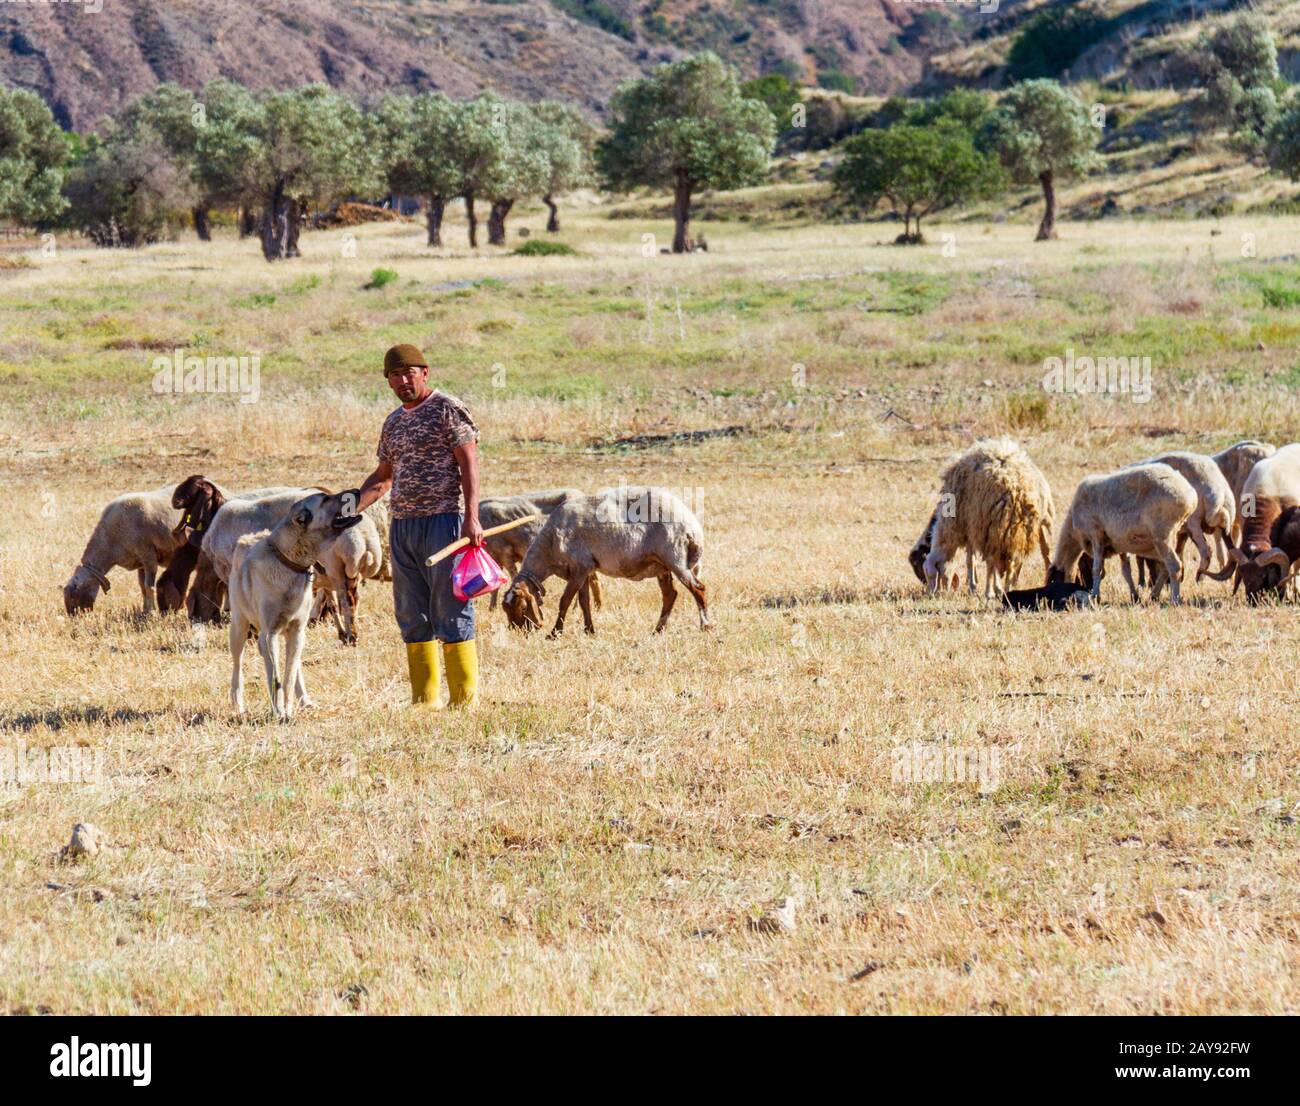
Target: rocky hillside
[(86, 63)]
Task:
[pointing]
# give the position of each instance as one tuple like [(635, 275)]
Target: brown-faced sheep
[(1272, 486), (1235, 462)]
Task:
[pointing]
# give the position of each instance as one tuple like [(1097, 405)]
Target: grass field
[(694, 822)]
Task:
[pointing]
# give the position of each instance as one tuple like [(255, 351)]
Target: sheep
[(135, 531), (1216, 509), (629, 532), (1137, 510), (356, 554), (996, 503), (1272, 486), (1236, 462), (916, 557), (236, 518), (508, 549)]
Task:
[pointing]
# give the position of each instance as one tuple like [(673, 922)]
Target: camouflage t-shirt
[(418, 444)]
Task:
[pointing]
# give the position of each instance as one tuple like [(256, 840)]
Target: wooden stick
[(460, 543)]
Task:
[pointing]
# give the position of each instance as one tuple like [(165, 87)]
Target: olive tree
[(520, 168), (686, 127), (309, 147), (569, 141), (34, 155), (478, 144), (1041, 132), (417, 138), (919, 170), (225, 150)]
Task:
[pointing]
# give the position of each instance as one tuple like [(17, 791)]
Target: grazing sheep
[(1272, 486), (353, 556), (270, 591), (916, 557), (634, 533), (1236, 462), (1216, 508), (508, 549), (237, 517), (1138, 510), (995, 503), (136, 531)]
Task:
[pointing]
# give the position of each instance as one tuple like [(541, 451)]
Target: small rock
[(87, 840)]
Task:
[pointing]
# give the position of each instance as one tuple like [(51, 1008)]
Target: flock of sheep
[(200, 530), (997, 505)]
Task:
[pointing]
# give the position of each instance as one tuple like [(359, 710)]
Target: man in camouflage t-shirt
[(428, 457)]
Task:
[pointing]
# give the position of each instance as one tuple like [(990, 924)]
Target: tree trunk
[(682, 216), (1047, 228), (247, 222), (433, 218), (552, 223), (201, 225), (280, 223), (497, 222), (472, 220)]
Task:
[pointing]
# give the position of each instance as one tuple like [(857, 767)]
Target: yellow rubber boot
[(460, 658), (422, 660)]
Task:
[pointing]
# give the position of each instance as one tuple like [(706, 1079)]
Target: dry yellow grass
[(690, 823)]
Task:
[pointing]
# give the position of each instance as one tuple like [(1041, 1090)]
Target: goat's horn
[(1238, 556), (1274, 556), (1223, 573)]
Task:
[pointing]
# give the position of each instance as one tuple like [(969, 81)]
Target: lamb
[(634, 533), (996, 503), (134, 531), (508, 549), (1137, 510), (1272, 486), (270, 591), (1216, 510), (354, 555), (1236, 462)]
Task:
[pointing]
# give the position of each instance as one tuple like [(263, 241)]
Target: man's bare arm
[(376, 485), (467, 458)]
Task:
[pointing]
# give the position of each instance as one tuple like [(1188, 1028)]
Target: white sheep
[(135, 532), (353, 556), (634, 533), (1137, 511), (508, 549), (1216, 507), (994, 502)]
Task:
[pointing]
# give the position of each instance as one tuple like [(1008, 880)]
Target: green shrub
[(540, 247), (380, 277)]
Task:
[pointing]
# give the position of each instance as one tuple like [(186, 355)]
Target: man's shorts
[(425, 607)]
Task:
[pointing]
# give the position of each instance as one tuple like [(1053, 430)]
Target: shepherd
[(428, 458)]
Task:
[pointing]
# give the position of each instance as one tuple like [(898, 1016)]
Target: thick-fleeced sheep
[(634, 533), (1272, 486), (136, 532), (995, 503), (1235, 462), (1137, 511), (508, 549)]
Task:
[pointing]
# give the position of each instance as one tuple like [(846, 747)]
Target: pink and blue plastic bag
[(475, 573)]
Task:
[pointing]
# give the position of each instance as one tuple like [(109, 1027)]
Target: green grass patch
[(541, 247)]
